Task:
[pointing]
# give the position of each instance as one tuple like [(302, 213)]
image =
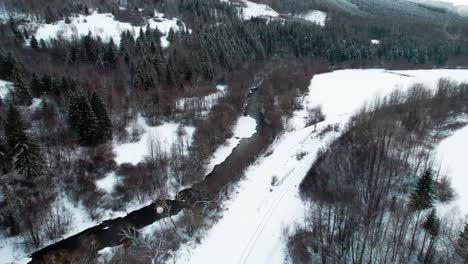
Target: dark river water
[(109, 232)]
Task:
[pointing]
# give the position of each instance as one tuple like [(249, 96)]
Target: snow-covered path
[(251, 229)]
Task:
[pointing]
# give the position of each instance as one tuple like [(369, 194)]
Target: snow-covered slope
[(451, 153), (251, 9), (315, 16), (251, 228), (102, 25)]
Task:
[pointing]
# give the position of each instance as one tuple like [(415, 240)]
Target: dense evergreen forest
[(92, 90)]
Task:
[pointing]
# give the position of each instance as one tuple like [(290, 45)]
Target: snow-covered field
[(251, 9), (451, 154), (162, 136), (102, 25), (251, 228), (315, 16)]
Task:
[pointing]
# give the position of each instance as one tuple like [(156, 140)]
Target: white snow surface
[(451, 154), (103, 25), (203, 103), (5, 88), (251, 228), (164, 135), (245, 127), (316, 16), (108, 183), (251, 9), (453, 2), (375, 41)]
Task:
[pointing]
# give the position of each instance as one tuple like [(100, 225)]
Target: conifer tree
[(34, 43), (104, 124), (109, 56), (46, 84), (42, 44), (462, 245), (4, 158), (21, 93), (16, 32), (35, 86), (82, 120), (423, 195), (24, 151), (170, 35), (25, 33)]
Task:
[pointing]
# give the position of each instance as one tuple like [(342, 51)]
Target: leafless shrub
[(314, 115)]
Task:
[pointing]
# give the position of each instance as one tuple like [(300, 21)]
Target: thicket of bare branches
[(359, 207)]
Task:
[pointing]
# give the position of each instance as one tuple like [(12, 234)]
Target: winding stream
[(109, 232)]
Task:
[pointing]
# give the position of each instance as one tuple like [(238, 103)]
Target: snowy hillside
[(103, 25), (315, 16), (451, 155), (252, 227), (251, 9)]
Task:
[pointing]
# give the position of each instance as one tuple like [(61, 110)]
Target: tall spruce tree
[(104, 124), (422, 197), (21, 95), (462, 245), (34, 43), (82, 120), (16, 32), (24, 151), (35, 86), (109, 56)]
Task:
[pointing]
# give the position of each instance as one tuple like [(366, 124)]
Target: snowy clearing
[(251, 9), (163, 136), (451, 154), (103, 25), (108, 183), (315, 16), (245, 127), (5, 88), (201, 104), (375, 41), (251, 228)]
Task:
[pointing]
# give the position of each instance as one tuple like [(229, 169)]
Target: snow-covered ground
[(5, 88), (245, 127), (103, 25), (202, 104), (453, 2), (451, 154), (11, 251), (251, 228), (375, 41), (251, 9), (316, 16), (163, 136), (108, 183)]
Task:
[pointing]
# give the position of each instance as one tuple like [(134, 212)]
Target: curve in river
[(109, 232)]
